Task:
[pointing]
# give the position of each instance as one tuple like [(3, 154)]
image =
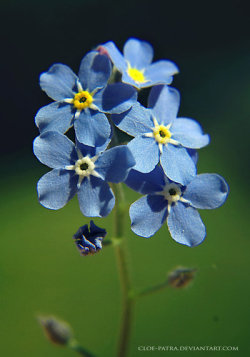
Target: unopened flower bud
[(181, 277), (89, 240), (57, 331)]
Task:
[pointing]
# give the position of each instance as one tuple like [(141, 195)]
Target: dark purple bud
[(89, 239)]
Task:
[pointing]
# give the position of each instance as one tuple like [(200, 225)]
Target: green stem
[(120, 248), (152, 289), (120, 210), (79, 349), (127, 302)]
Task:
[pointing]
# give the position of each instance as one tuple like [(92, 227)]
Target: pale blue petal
[(135, 121), (194, 155), (138, 53), (206, 191), (177, 164), (116, 98), (161, 72), (92, 128), (189, 133), (95, 197), (92, 150), (95, 70), (58, 82), (56, 188), (56, 116), (165, 102), (114, 164), (148, 215), (86, 150), (54, 150), (185, 225), (146, 153), (116, 56), (146, 183)]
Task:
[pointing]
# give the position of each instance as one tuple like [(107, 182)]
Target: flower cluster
[(159, 161)]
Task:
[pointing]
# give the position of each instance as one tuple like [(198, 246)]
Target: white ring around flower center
[(172, 192), (84, 167)]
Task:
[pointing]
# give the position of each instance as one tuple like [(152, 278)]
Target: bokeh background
[(41, 271)]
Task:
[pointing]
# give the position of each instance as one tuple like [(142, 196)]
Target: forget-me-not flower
[(168, 200), (82, 101), (135, 64), (161, 136), (80, 169), (89, 239)]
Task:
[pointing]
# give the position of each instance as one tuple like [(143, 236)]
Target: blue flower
[(168, 200), (80, 169), (135, 65), (82, 101), (161, 136), (89, 241)]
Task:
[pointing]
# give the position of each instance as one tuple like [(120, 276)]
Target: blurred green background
[(41, 272)]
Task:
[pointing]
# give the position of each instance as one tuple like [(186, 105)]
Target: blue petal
[(185, 225), (206, 191), (116, 56), (116, 98), (165, 102), (147, 215), (54, 150), (146, 153), (114, 164), (138, 53), (86, 150), (194, 155), (188, 133), (95, 197), (56, 188), (92, 128), (91, 150), (135, 121), (58, 82), (161, 72), (146, 183), (95, 70), (55, 117), (177, 164)]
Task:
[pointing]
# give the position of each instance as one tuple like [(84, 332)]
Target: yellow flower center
[(82, 100), (136, 75), (161, 134)]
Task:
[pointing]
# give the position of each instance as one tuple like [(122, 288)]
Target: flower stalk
[(74, 345), (125, 280), (152, 289)]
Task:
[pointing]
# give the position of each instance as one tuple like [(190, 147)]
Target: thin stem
[(79, 349), (127, 301), (152, 289), (120, 248), (119, 212)]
